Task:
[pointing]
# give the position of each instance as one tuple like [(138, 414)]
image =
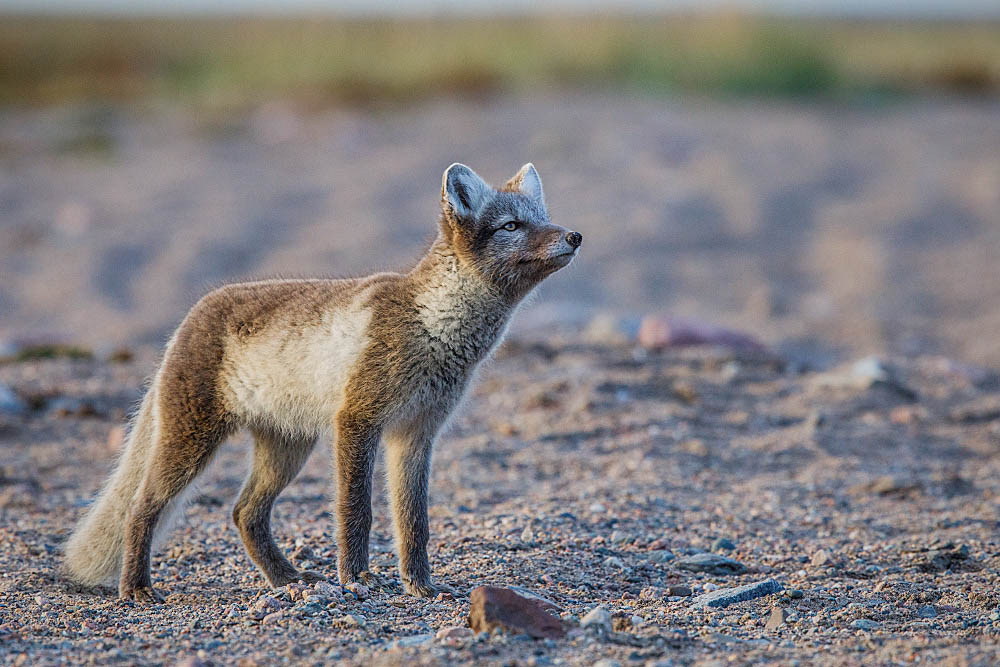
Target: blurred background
[(824, 175)]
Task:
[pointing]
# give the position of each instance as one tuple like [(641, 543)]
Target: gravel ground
[(592, 474)]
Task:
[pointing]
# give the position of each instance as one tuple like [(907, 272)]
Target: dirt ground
[(584, 473), (584, 468)]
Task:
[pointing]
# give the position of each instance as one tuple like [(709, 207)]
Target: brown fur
[(401, 350)]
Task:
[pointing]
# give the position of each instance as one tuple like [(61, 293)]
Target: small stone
[(264, 606), (948, 558), (597, 508), (618, 537), (680, 591), (453, 635), (492, 608), (326, 589), (273, 617), (615, 561), (820, 558), (865, 624), (723, 544), (727, 596), (527, 535), (359, 590), (777, 619), (651, 593), (927, 611), (711, 563), (660, 556), (352, 621), (295, 591), (413, 640), (794, 594), (598, 617)]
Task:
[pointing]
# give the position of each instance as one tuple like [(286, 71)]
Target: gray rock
[(727, 596), (660, 556), (777, 619), (723, 544), (711, 563), (927, 611), (820, 558), (865, 624), (598, 617)]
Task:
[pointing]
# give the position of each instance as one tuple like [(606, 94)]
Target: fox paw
[(428, 589), (310, 577), (141, 595)]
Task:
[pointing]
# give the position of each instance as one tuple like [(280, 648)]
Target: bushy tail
[(93, 553)]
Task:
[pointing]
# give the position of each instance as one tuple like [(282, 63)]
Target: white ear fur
[(529, 183), (464, 191)]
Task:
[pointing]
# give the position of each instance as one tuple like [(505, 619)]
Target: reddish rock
[(657, 332), (502, 608)]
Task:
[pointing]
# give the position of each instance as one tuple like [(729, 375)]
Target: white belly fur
[(294, 380)]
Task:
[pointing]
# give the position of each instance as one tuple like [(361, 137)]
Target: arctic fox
[(384, 358)]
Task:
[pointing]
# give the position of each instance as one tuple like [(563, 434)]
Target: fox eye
[(511, 226)]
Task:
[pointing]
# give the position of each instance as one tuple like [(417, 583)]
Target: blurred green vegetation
[(220, 62)]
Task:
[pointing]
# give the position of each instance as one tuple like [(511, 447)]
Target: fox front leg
[(408, 458), (356, 444)]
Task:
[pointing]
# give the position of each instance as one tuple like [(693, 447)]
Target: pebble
[(711, 563), (820, 558), (352, 620), (598, 617), (274, 617), (358, 590), (660, 556), (927, 611), (723, 544), (727, 596), (264, 606), (615, 561), (777, 618), (865, 624), (598, 508)]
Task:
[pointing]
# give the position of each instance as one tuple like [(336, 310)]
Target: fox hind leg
[(277, 460), (174, 464)]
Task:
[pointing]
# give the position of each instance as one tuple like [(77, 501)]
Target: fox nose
[(574, 239)]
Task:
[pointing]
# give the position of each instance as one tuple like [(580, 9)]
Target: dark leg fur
[(355, 456), (277, 460), (174, 465), (408, 456)]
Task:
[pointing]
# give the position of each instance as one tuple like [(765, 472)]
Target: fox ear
[(527, 182), (463, 192)]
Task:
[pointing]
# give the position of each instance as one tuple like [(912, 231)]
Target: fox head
[(504, 235)]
